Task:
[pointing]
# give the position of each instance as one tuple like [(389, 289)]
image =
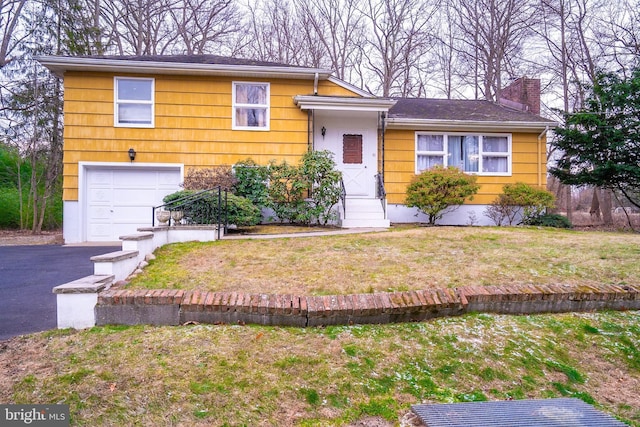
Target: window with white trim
[(134, 101), (250, 106), (482, 154)]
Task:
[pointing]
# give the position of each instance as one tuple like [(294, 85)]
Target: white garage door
[(120, 200)]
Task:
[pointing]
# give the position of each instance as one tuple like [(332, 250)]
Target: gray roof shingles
[(459, 109), (194, 59)]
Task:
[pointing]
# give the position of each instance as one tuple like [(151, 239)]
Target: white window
[(250, 106), (134, 102), (487, 154)]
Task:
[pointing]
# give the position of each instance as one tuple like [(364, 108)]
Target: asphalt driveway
[(27, 276)]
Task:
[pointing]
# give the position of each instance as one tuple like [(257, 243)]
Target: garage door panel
[(96, 212), (119, 200), (132, 214), (168, 180), (136, 196), (104, 195), (126, 178)]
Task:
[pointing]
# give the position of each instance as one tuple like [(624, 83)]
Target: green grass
[(397, 260), (277, 376)]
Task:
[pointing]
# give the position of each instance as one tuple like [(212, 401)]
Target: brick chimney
[(522, 94)]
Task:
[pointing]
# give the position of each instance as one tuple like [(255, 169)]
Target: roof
[(201, 65), (192, 59), (449, 114)]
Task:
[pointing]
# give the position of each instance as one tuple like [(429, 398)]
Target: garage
[(119, 199)]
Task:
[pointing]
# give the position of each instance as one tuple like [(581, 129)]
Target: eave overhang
[(336, 103), (60, 65), (468, 126)]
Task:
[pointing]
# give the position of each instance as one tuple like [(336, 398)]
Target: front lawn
[(230, 375), (397, 260)]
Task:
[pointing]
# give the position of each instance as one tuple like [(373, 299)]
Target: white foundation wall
[(463, 215), (71, 223)]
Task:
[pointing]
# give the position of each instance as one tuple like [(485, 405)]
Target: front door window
[(352, 149)]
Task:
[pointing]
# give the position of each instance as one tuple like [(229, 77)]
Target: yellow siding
[(400, 166), (192, 124)]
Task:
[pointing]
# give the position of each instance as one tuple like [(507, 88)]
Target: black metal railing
[(343, 198), (381, 193), (189, 210)]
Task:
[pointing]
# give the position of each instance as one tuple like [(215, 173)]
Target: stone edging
[(173, 307)]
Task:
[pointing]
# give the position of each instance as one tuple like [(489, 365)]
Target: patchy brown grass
[(397, 260), (335, 376)]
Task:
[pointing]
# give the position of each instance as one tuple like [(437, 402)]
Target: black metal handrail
[(343, 198), (222, 214), (381, 192)]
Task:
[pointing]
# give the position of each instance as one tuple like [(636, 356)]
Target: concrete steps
[(363, 213)]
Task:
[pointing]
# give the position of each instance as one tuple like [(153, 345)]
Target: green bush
[(9, 208), (251, 182), (286, 192), (551, 220), (522, 201), (318, 169), (306, 193), (440, 190), (204, 209)]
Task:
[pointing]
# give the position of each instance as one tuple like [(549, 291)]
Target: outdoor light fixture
[(323, 131), (132, 154)]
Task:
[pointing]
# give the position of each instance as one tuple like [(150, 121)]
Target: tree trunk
[(606, 207), (594, 211), (569, 203)]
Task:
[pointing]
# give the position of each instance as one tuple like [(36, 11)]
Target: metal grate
[(563, 412)]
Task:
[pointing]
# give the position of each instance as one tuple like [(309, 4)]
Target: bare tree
[(202, 26), (493, 33), (338, 26), (139, 27), (398, 45), (10, 33)]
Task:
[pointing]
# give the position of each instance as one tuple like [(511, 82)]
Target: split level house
[(183, 112)]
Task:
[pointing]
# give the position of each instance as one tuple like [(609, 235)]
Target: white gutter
[(315, 84), (60, 64), (465, 125), (336, 103)]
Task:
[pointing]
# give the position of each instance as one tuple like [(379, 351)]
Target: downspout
[(310, 116), (309, 130), (382, 117), (544, 132)]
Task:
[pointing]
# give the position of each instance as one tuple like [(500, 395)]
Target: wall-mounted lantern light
[(132, 154), (323, 131)]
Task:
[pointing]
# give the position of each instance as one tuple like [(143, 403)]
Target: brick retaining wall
[(173, 307)]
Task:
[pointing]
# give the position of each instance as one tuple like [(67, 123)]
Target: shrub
[(440, 190), (9, 208), (204, 210), (207, 178), (519, 200), (318, 169), (551, 220), (251, 182), (286, 192), (307, 193)]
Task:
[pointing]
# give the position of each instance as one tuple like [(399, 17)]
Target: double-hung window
[(483, 154), (250, 106), (134, 102)]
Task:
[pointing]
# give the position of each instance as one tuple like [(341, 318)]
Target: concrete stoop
[(363, 213), (76, 300)]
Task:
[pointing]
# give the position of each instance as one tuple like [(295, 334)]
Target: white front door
[(353, 138), (119, 200)]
